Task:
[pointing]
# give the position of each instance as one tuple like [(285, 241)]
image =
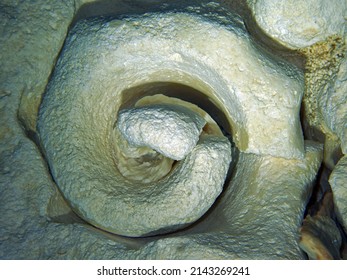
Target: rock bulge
[(119, 168)]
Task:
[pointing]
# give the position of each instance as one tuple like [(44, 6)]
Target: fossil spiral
[(125, 168), (131, 122)]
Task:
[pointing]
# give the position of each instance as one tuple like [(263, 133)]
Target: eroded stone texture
[(320, 238), (338, 182), (242, 79), (30, 44), (323, 62), (320, 235), (263, 199), (44, 229), (79, 146), (171, 130), (26, 62), (333, 105), (298, 24), (238, 231)]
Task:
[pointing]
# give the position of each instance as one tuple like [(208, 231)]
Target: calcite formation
[(257, 190), (333, 106), (339, 186), (298, 24), (169, 129), (139, 118)]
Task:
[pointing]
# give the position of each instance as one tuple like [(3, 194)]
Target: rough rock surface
[(262, 199), (36, 222), (338, 182), (238, 77), (28, 60), (321, 237), (238, 229), (334, 108), (324, 101), (26, 63), (171, 130), (298, 24), (79, 147)]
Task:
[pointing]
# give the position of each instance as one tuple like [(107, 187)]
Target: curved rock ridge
[(116, 168), (171, 130), (299, 24)]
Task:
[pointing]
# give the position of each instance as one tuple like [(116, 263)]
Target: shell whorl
[(153, 167)]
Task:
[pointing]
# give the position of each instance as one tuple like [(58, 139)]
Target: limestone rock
[(262, 199), (333, 106), (323, 102), (338, 182), (171, 130), (320, 236), (250, 87), (260, 212), (298, 24), (28, 60)]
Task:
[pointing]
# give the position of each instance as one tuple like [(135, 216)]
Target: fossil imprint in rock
[(124, 167), (179, 126)]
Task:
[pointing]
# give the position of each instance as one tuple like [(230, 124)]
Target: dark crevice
[(126, 8), (67, 218), (320, 187), (180, 91)]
